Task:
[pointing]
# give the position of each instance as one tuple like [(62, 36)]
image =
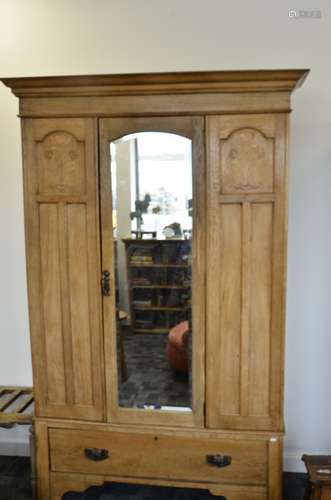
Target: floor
[(151, 380), (15, 478), (15, 485)]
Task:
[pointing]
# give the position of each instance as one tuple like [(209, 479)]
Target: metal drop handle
[(96, 454), (218, 460)]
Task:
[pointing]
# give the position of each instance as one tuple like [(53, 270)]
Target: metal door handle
[(105, 283), (218, 460)]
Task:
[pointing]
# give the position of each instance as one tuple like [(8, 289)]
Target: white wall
[(43, 37)]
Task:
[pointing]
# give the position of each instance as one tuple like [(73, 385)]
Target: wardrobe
[(196, 156)]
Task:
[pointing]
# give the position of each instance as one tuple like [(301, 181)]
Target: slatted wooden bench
[(16, 406)]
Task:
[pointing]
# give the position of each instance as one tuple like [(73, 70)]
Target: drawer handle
[(96, 454), (218, 460)]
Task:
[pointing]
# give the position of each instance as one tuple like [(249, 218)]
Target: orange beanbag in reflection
[(177, 347)]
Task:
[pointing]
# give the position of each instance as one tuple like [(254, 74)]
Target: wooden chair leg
[(326, 493), (317, 493), (308, 491)]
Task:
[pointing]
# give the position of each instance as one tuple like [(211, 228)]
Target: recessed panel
[(247, 162), (260, 290), (61, 164), (80, 309), (52, 302), (226, 292)]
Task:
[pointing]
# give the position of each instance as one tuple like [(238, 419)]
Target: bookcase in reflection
[(159, 283)]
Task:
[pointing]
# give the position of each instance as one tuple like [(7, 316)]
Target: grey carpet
[(151, 380), (15, 485), (15, 478)]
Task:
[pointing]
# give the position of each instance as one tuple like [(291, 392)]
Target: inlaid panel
[(61, 164), (247, 162)]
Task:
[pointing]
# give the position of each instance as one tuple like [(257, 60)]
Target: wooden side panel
[(79, 304), (260, 288), (246, 235), (228, 349), (51, 291), (63, 257)]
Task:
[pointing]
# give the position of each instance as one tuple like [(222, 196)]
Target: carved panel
[(61, 164), (247, 162)]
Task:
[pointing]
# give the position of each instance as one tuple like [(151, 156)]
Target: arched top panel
[(61, 164), (247, 162)]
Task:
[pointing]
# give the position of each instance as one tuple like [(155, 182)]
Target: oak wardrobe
[(156, 225)]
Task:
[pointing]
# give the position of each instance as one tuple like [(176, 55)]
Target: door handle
[(105, 283)]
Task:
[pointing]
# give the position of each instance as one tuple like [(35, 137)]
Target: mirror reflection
[(151, 176)]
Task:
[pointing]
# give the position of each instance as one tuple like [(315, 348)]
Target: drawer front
[(157, 456)]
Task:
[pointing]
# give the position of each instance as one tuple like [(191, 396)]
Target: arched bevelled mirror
[(152, 201)]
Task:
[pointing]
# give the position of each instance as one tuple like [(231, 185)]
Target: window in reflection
[(152, 224)]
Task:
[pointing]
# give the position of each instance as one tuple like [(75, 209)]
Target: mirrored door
[(152, 200)]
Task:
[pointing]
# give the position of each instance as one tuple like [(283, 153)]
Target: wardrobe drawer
[(146, 455)]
